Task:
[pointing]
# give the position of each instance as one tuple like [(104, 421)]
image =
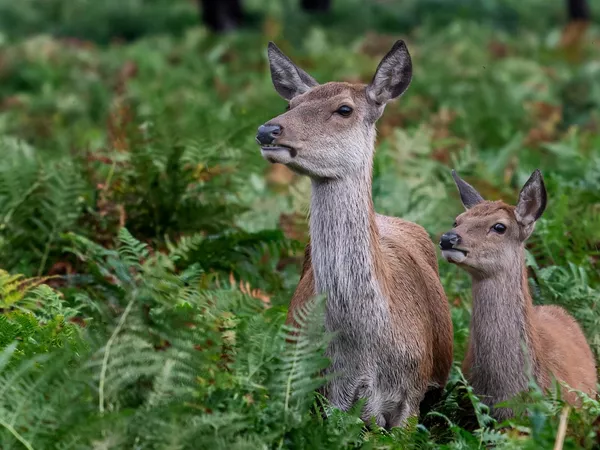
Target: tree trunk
[(227, 15), (221, 15), (578, 10), (573, 34), (316, 5)]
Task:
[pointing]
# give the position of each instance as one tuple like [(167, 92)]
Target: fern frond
[(302, 361), (19, 291), (132, 251)]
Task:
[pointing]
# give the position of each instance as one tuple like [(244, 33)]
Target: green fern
[(130, 183)]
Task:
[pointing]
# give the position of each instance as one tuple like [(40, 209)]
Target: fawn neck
[(345, 252), (502, 334)]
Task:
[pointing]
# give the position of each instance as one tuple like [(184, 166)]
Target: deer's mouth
[(455, 255), (278, 153)]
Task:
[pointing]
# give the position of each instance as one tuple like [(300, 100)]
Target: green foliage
[(34, 321), (168, 352), (37, 202), (158, 259), (100, 22)]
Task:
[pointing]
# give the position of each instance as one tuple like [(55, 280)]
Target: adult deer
[(510, 338), (384, 299)]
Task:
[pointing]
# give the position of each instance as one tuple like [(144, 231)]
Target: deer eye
[(288, 107), (454, 225), (499, 228), (344, 110)]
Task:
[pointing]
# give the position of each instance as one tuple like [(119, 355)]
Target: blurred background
[(142, 114), (145, 110)]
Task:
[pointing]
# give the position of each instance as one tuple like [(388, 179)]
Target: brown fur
[(563, 352), (404, 247)]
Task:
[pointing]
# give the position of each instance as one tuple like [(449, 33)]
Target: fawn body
[(380, 274), (511, 338)]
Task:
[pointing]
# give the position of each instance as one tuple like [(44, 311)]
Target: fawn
[(385, 302), (510, 337)]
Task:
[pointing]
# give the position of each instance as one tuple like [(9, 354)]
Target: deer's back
[(416, 294), (409, 237), (564, 351)]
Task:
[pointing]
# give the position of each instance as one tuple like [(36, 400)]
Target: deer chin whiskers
[(455, 255), (281, 154)]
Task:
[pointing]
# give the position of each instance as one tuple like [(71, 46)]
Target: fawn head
[(328, 131), (489, 236)]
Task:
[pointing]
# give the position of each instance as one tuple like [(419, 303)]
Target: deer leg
[(374, 403), (340, 392), (404, 409), (371, 411)]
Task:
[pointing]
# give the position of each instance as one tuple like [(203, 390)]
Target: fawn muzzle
[(449, 244), (449, 240)]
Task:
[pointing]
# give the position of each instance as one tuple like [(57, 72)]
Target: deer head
[(328, 131), (489, 237)]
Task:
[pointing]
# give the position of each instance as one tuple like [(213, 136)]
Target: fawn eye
[(344, 110), (499, 228), (454, 225)]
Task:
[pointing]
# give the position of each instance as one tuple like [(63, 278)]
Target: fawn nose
[(267, 134), (449, 240)]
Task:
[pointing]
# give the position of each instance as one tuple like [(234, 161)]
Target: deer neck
[(345, 252), (502, 334)]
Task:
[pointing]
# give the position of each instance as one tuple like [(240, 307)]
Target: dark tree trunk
[(316, 5), (578, 10), (226, 15), (573, 35), (221, 15)]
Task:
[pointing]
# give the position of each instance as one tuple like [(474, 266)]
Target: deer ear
[(392, 76), (532, 202), (468, 194), (289, 80)]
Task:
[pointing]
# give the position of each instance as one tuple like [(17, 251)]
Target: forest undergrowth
[(148, 253)]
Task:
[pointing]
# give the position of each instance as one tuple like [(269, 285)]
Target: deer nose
[(267, 134), (449, 240)]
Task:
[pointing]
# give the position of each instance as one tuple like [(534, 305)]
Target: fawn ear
[(392, 76), (532, 202), (289, 80), (468, 195)]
